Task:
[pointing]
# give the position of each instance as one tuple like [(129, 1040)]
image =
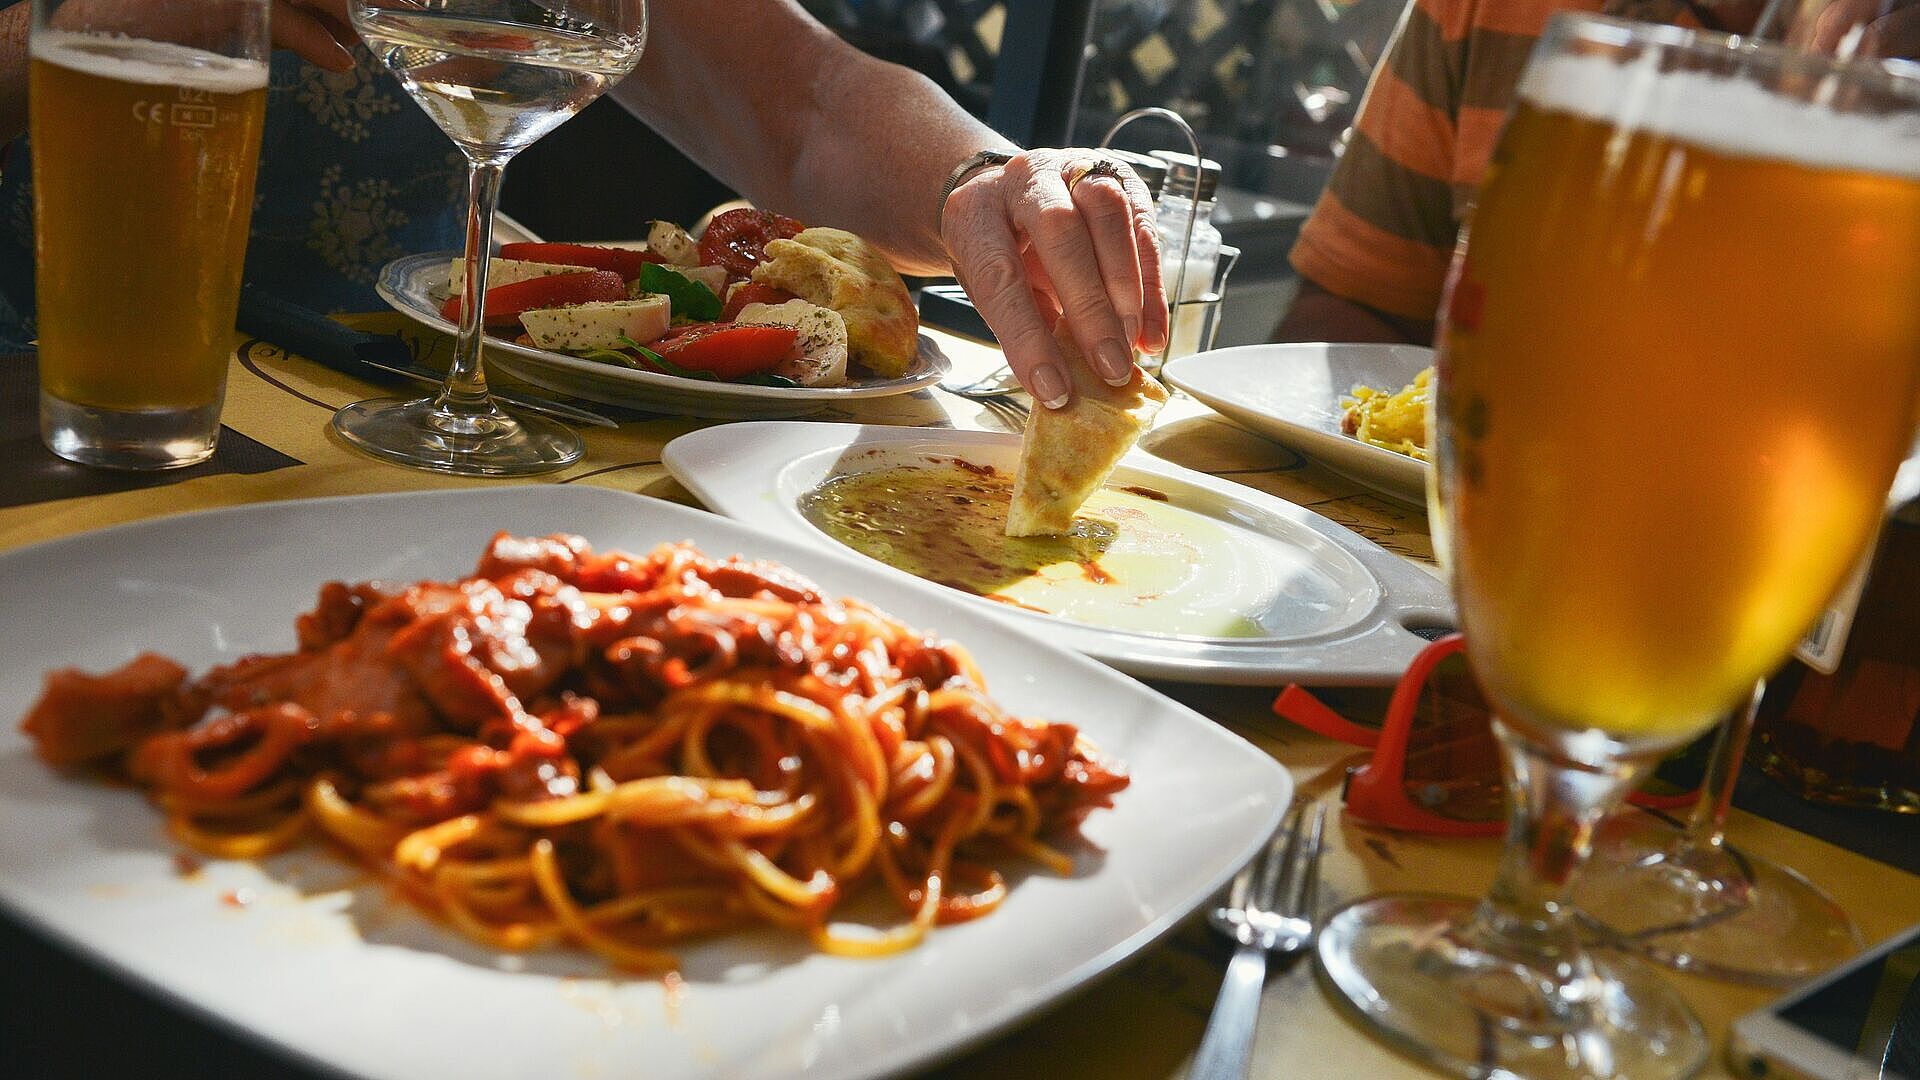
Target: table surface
[(1143, 1020)]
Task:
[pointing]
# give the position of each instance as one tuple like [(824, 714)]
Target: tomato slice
[(729, 351), (752, 292), (623, 261), (737, 239), (505, 303)]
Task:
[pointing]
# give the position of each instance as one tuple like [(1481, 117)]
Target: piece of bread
[(836, 269), (1069, 452)]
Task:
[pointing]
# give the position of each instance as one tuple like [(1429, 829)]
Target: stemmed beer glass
[(1686, 898), (1677, 375), (495, 75)]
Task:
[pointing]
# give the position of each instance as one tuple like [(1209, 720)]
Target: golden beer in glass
[(144, 153), (1680, 374), (1680, 356)]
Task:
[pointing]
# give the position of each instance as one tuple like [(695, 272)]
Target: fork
[(998, 383), (996, 394), (1011, 411), (1269, 911)]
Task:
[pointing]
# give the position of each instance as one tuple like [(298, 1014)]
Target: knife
[(354, 352)]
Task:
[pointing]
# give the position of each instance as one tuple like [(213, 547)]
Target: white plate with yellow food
[(1302, 396), (1166, 572)]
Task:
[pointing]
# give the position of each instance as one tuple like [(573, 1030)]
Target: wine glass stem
[(1707, 828), (464, 394), (1554, 806)]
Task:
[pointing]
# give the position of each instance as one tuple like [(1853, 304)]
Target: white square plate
[(1291, 394), (323, 962)]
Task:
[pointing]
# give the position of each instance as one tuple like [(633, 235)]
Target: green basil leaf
[(690, 298), (644, 352)]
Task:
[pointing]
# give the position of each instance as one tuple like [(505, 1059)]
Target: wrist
[(973, 163)]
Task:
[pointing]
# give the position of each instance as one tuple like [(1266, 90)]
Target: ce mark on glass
[(194, 109)]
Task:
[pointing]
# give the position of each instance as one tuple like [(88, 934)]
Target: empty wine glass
[(495, 75), (1689, 900)]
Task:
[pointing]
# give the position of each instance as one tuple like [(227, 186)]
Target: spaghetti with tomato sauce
[(612, 750)]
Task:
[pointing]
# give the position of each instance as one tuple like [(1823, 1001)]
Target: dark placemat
[(1893, 839), (30, 473)]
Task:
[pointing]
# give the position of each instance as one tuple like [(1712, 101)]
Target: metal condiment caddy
[(1209, 301)]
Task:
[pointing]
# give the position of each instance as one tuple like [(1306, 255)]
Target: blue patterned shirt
[(352, 174)]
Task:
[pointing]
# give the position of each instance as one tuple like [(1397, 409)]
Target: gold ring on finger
[(1103, 167)]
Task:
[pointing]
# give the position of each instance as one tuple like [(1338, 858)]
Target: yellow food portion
[(1395, 420)]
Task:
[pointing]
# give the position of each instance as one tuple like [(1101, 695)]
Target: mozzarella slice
[(671, 242), (600, 324), (506, 272), (822, 342)]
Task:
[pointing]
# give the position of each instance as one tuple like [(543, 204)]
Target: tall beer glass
[(145, 126), (1679, 369)]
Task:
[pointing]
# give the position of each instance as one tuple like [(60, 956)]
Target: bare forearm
[(1318, 315), (800, 122), (13, 71), (886, 172)]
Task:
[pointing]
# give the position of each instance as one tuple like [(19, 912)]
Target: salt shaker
[(1177, 207)]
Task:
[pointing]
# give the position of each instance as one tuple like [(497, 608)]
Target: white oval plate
[(1291, 394), (331, 967), (416, 285), (1367, 598)]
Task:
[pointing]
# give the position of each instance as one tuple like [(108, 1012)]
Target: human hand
[(1058, 234), (1882, 29), (318, 30)]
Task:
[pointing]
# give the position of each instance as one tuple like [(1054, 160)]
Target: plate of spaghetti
[(565, 775), (1357, 408)]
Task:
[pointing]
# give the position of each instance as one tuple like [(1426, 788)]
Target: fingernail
[(1116, 362), (1133, 329), (1050, 386)]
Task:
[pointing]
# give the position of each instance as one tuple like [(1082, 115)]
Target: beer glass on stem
[(1656, 461), (1686, 898), (495, 75)]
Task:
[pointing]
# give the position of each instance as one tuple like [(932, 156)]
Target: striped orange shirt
[(1382, 233)]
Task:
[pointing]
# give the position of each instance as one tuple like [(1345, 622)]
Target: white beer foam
[(155, 63), (1724, 113)]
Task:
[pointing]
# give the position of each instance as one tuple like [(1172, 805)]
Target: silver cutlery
[(1270, 911), (995, 393), (999, 383), (313, 335)]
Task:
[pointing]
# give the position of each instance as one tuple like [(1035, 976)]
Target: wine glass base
[(1415, 970), (1718, 912), (419, 435)]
